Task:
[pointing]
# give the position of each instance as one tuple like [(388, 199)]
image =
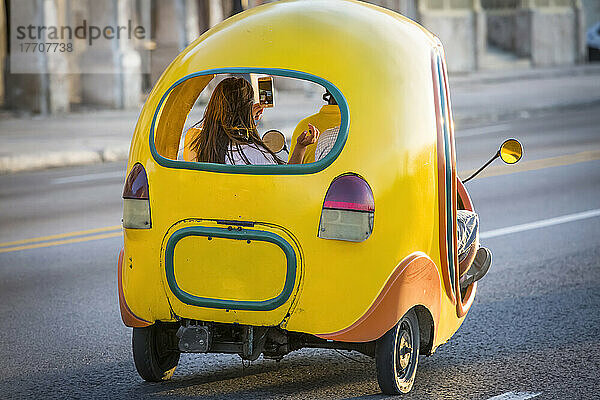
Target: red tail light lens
[(349, 192), (136, 201), (348, 210), (136, 185)]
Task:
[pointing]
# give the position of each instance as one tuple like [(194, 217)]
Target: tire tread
[(385, 353), (145, 356)]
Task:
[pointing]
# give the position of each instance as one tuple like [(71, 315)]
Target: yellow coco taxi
[(354, 251)]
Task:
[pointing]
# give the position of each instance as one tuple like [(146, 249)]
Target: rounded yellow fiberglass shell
[(381, 64)]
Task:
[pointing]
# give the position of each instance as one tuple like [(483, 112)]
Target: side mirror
[(274, 140), (511, 151)]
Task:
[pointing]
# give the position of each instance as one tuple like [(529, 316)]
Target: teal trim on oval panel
[(244, 234), (294, 169)]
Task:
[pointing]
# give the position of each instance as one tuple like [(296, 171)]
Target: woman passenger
[(228, 132)]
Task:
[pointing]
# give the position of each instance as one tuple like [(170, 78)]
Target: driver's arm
[(306, 138)]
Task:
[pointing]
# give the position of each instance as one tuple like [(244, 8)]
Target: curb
[(32, 162)]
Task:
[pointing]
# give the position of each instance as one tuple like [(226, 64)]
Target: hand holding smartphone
[(265, 91)]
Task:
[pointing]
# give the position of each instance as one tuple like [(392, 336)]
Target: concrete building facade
[(548, 32), (116, 74)]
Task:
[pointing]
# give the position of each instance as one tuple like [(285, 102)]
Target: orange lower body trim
[(415, 281), (128, 317)]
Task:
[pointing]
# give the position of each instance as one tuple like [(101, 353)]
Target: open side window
[(292, 101), (446, 173)]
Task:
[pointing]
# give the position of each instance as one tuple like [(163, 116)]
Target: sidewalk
[(28, 143)]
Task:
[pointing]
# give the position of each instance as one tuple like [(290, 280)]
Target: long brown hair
[(228, 121)]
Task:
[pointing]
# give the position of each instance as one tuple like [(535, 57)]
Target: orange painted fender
[(128, 317), (415, 281)]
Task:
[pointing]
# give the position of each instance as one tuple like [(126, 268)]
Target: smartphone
[(265, 91)]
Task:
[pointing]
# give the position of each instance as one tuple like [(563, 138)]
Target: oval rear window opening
[(296, 99)]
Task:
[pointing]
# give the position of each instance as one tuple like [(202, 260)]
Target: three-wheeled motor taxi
[(356, 250)]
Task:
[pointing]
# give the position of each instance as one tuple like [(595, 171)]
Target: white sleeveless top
[(254, 155)]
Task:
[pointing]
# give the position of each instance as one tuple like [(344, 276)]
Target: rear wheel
[(396, 355), (153, 353)]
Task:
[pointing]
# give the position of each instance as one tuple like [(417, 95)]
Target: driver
[(467, 227), (328, 116)]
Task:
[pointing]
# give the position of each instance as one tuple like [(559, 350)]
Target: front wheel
[(396, 355), (153, 353)]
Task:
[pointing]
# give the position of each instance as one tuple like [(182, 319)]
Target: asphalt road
[(534, 327)]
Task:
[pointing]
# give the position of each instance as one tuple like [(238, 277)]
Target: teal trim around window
[(235, 234), (294, 169)]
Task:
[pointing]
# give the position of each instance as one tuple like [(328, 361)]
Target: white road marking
[(515, 396), (482, 131), (87, 177), (540, 224)]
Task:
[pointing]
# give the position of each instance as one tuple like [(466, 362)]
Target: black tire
[(397, 354), (153, 358)]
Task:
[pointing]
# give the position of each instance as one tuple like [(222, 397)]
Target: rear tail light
[(136, 202), (348, 211)]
